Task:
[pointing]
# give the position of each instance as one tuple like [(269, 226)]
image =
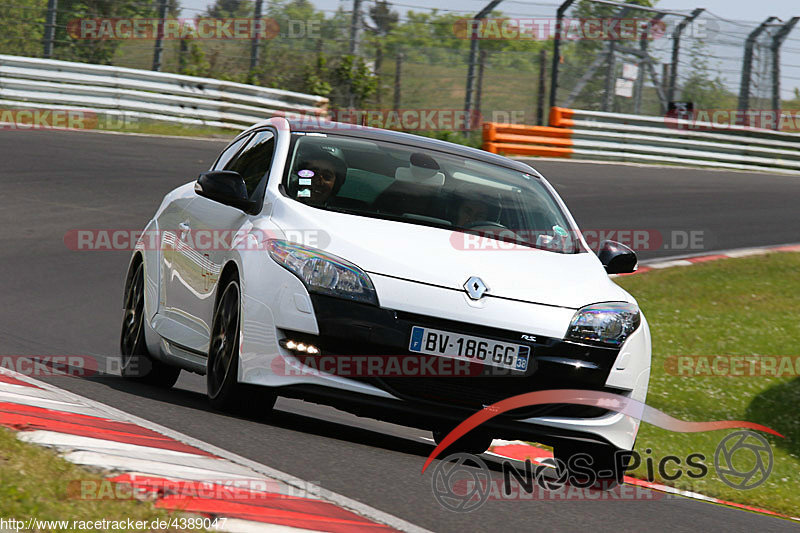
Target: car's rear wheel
[(223, 389), (137, 364), (598, 466)]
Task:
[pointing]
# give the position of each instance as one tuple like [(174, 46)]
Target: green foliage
[(352, 75), (23, 27), (193, 60), (99, 51), (230, 9), (383, 17), (316, 76)]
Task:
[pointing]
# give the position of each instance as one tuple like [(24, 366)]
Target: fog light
[(299, 347)]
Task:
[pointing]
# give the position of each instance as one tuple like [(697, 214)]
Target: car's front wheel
[(137, 364), (224, 390), (475, 442), (592, 466)]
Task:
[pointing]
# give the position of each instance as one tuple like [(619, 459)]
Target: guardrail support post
[(611, 76), (50, 28), (603, 56), (676, 50), (478, 91), (747, 64), (562, 9), (254, 48), (355, 26), (777, 42), (472, 28), (542, 87), (639, 87), (159, 46), (398, 71)]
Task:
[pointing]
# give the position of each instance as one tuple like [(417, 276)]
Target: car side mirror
[(226, 187), (617, 258)]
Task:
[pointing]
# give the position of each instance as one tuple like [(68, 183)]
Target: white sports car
[(390, 275)]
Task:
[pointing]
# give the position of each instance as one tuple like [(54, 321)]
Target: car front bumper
[(350, 329)]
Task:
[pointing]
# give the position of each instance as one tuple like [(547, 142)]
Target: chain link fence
[(616, 58)]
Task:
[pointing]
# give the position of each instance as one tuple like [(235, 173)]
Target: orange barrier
[(519, 139), (561, 117)]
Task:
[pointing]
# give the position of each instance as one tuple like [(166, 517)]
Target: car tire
[(137, 364), (608, 464), (474, 442), (225, 393)]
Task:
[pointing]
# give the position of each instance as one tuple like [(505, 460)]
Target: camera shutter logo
[(752, 463), (458, 471)]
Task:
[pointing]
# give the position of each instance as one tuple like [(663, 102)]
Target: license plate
[(456, 346)]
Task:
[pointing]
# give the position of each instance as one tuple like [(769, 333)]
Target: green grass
[(37, 483), (104, 122), (747, 306), (156, 127)]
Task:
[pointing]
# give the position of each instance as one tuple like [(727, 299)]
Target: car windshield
[(421, 186)]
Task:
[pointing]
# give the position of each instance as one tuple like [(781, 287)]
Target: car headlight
[(608, 323), (323, 273)]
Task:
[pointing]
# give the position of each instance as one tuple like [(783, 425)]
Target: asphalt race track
[(57, 302)]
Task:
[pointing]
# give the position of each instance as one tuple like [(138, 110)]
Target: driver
[(321, 175)]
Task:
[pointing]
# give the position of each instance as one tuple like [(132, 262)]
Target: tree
[(23, 27), (230, 9), (353, 76), (76, 48)]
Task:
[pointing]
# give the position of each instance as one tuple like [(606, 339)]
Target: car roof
[(322, 125)]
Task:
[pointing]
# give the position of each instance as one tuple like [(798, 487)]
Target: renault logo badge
[(475, 288)]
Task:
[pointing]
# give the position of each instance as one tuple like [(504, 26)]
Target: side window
[(254, 161), (229, 152)]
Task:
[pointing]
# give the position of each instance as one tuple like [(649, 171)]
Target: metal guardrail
[(51, 84), (578, 134)]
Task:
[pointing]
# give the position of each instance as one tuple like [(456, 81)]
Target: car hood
[(436, 256)]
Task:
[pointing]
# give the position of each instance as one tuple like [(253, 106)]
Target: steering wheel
[(484, 224)]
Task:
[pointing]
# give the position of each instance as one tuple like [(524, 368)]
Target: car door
[(176, 242), (168, 223), (212, 227)]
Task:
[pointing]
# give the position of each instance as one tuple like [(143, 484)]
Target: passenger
[(471, 211)]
